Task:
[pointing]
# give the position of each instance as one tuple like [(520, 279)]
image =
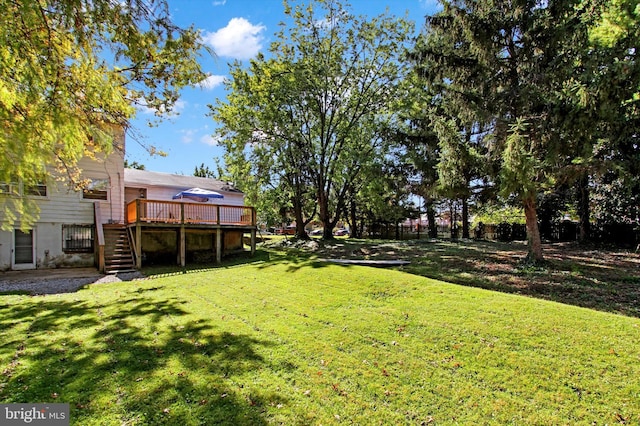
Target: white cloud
[(211, 82), (178, 107), (187, 135), (240, 39), (219, 2), (211, 140), (142, 106)]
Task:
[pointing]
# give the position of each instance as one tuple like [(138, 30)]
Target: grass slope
[(288, 340)]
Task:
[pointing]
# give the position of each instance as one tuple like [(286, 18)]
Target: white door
[(24, 249)]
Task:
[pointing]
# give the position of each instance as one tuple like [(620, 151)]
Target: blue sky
[(234, 29)]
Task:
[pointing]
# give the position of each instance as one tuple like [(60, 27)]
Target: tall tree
[(310, 114), (459, 164), (204, 171), (415, 142), (613, 83), (68, 68), (504, 65)]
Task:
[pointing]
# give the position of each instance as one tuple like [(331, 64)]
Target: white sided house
[(65, 232), (125, 219)]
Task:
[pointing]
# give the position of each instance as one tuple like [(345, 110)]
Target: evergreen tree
[(503, 66)]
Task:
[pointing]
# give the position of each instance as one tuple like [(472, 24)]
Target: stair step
[(120, 271), (118, 256), (123, 259)]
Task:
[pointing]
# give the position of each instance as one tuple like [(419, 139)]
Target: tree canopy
[(528, 75), (307, 119), (70, 70)]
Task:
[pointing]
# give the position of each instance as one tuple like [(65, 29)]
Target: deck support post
[(182, 244), (218, 245), (138, 245), (253, 241)]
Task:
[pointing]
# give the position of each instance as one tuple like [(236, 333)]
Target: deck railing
[(177, 212)]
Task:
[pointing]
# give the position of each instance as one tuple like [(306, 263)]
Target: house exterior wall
[(64, 206), (5, 250)]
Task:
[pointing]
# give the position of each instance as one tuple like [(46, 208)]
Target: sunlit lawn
[(285, 340)]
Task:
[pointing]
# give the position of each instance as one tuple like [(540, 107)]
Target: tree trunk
[(533, 232), (355, 230), (301, 233), (431, 219), (465, 218), (453, 221), (323, 213), (584, 209)]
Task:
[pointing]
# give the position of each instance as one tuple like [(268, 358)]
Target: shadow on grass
[(598, 279), (296, 259), (127, 362)]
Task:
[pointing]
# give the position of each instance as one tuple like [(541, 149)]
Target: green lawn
[(286, 340)]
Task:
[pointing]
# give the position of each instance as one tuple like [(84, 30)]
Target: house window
[(38, 190), (97, 189), (77, 238), (9, 188), (19, 189)]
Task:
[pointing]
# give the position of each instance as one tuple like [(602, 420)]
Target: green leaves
[(71, 69), (519, 164), (308, 119)]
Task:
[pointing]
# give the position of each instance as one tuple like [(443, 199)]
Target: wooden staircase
[(118, 255)]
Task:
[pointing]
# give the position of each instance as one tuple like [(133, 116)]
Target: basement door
[(24, 250)]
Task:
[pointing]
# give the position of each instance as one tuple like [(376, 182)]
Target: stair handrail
[(132, 243), (97, 217)]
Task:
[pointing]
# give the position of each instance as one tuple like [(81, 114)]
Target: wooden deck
[(143, 212), (182, 217)]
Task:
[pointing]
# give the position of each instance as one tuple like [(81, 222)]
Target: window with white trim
[(9, 188), (37, 190), (97, 189), (20, 189)]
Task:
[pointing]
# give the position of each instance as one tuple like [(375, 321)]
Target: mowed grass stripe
[(294, 342), (331, 387), (515, 322)]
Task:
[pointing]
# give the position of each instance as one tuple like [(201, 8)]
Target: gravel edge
[(42, 286)]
